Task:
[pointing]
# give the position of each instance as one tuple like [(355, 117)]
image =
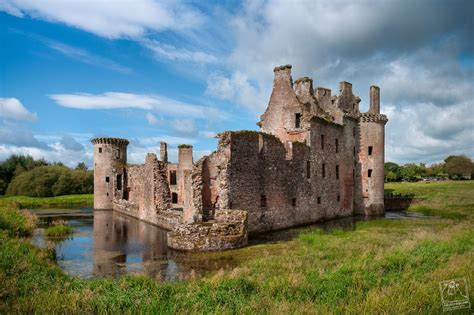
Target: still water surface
[(107, 243)]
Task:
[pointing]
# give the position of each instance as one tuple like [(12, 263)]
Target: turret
[(110, 157), (371, 157)]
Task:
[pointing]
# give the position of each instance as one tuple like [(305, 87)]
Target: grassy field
[(383, 266), (47, 202)]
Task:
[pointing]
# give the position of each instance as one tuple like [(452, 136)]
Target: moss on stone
[(184, 146)]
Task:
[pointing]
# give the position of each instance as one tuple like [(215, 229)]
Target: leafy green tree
[(394, 170), (458, 165), (412, 171), (81, 166)]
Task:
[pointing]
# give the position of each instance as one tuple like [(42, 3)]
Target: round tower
[(110, 158), (372, 156)]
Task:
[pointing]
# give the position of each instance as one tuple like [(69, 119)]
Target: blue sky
[(182, 71)]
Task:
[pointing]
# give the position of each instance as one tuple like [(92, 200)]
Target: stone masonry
[(316, 157)]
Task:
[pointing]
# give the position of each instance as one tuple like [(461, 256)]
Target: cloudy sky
[(182, 71)]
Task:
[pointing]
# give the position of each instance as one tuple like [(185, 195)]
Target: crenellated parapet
[(112, 141), (372, 117)]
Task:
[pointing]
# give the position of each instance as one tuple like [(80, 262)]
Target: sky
[(182, 71)]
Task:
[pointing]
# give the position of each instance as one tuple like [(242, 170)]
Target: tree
[(81, 166), (459, 165), (394, 170), (413, 171)]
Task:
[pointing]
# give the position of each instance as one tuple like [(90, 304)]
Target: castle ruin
[(316, 157)]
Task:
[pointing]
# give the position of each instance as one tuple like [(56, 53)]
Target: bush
[(51, 180), (17, 222)]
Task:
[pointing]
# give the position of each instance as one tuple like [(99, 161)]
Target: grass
[(22, 202), (383, 266), (58, 229)]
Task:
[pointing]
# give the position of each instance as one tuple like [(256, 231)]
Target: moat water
[(106, 243)]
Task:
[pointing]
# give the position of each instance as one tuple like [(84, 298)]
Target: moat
[(106, 243)]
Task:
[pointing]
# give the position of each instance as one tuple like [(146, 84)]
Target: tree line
[(454, 167), (24, 176)]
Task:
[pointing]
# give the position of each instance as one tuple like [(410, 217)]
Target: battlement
[(281, 68), (113, 141), (373, 117)]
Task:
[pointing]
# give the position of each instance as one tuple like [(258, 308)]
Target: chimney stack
[(163, 152), (374, 99)]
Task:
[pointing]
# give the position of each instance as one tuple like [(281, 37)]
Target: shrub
[(51, 180)]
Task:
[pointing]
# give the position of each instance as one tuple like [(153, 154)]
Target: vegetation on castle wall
[(184, 146), (382, 266)]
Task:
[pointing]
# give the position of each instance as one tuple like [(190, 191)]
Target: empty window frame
[(323, 170), (354, 151), (308, 169), (263, 201), (172, 177), (337, 145), (322, 142), (293, 202), (370, 149), (338, 198), (119, 182), (319, 200), (100, 150), (297, 120), (174, 197), (337, 171), (369, 173), (107, 179)]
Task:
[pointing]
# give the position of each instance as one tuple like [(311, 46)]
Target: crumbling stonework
[(316, 157)]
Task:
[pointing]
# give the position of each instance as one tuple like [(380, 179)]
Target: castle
[(316, 157)]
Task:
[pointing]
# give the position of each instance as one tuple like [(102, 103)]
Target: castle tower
[(110, 157), (371, 157)]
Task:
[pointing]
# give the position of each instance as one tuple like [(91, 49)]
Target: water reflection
[(107, 243)]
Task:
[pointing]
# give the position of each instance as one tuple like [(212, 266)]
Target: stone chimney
[(283, 75), (163, 152), (374, 99)]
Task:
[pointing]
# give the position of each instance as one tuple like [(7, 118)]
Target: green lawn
[(383, 266), (22, 202)]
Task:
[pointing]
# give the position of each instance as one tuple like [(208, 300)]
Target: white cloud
[(152, 120), (117, 100), (12, 108), (86, 57), (171, 52), (239, 89), (111, 19)]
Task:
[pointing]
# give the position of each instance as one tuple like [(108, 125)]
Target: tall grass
[(383, 266), (22, 202)]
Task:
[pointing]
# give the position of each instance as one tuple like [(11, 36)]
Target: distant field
[(52, 202), (383, 266)]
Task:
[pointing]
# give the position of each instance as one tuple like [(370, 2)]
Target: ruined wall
[(281, 190)]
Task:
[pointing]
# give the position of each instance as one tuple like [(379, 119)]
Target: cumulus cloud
[(125, 18), (69, 143), (12, 108), (117, 100), (414, 59), (20, 137)]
